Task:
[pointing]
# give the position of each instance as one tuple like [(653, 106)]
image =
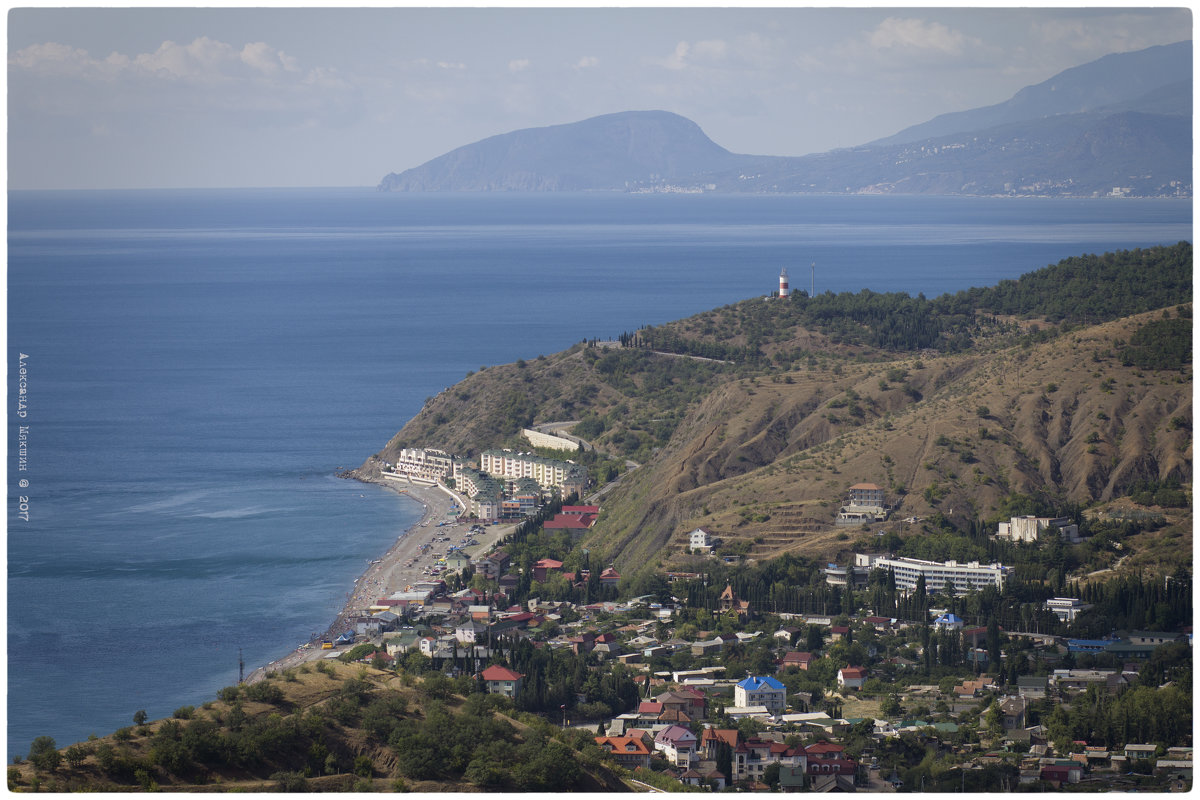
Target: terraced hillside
[(767, 460)]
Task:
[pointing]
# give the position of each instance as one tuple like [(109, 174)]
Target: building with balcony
[(550, 473), (424, 465), (939, 576)]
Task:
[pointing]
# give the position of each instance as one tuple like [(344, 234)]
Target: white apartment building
[(424, 465), (938, 575), (548, 472), (1028, 528), (473, 482)]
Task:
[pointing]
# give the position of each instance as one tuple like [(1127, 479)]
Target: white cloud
[(688, 55), (518, 65), (266, 59), (677, 59), (587, 62), (899, 46), (204, 77), (1095, 36), (709, 50), (917, 35), (51, 57), (204, 58), (201, 60), (451, 65)]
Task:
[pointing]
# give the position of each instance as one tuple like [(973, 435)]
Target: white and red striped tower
[(783, 283)]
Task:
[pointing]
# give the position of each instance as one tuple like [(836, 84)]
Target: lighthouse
[(783, 283)]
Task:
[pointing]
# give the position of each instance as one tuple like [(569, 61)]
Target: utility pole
[(241, 667)]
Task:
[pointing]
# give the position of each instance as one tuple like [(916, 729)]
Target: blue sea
[(200, 365)]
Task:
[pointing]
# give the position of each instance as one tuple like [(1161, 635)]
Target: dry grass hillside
[(768, 459)]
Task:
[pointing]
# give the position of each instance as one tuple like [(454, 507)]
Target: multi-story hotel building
[(550, 473), (424, 465), (938, 575)]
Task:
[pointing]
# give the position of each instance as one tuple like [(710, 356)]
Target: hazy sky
[(141, 97)]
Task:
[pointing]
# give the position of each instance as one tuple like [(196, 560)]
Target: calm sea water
[(201, 363)]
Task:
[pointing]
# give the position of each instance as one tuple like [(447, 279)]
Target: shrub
[(76, 755), (290, 782), (43, 754), (264, 692), (229, 694)]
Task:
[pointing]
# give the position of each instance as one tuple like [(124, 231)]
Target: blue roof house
[(761, 691), (948, 622)]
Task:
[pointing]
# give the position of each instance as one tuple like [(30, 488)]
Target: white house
[(1066, 608), (471, 632), (501, 680), (701, 540), (764, 691), (948, 622), (677, 744), (851, 677)]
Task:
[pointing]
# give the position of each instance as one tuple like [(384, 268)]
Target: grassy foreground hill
[(332, 727), (1061, 390)]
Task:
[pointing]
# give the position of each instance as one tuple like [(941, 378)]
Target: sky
[(286, 97)]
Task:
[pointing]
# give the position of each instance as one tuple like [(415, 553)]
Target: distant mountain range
[(1119, 125)]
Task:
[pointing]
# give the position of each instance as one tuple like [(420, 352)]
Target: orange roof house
[(630, 752)]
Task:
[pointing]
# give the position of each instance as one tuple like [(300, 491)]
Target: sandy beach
[(389, 573)]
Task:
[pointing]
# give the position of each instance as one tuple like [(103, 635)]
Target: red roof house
[(851, 677), (795, 659), (542, 568), (502, 680), (570, 522)]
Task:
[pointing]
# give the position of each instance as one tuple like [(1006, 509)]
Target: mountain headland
[(1119, 126), (1065, 388), (753, 419)]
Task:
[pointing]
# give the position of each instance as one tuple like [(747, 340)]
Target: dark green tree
[(44, 755)]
